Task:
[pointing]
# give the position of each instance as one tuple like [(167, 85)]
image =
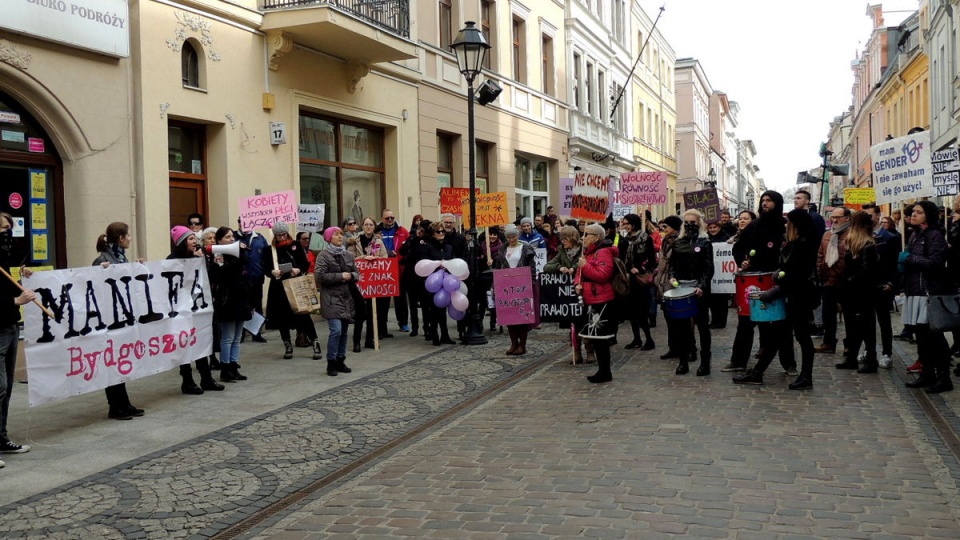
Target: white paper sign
[(18, 227), (541, 259), (311, 217), (115, 324), (723, 269), (901, 168)]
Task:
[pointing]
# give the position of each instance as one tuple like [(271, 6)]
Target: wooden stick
[(35, 300), (376, 327)]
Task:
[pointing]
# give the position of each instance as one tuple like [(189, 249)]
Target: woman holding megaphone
[(230, 305)]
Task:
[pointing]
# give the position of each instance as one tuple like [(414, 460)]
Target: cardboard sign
[(706, 201), (541, 258), (859, 196), (901, 168), (310, 217), (451, 199), (513, 291), (591, 197), (558, 301), (724, 268), (492, 209), (262, 211), (566, 197), (946, 172), (115, 324), (643, 188), (379, 278)]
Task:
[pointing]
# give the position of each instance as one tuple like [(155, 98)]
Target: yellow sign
[(38, 216), (40, 247), (859, 196), (492, 209), (38, 185)]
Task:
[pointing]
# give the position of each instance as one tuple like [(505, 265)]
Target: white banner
[(311, 218), (115, 324), (723, 269), (901, 168)]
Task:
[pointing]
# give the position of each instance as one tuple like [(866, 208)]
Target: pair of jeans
[(9, 341), (337, 340), (883, 306), (230, 334)]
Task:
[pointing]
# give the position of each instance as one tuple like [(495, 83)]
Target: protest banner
[(620, 209), (379, 278), (724, 268), (540, 259), (492, 209), (558, 301), (859, 196), (706, 201), (643, 188), (901, 168), (310, 217), (946, 172), (115, 324), (514, 295), (566, 197), (451, 199), (591, 197), (262, 211)]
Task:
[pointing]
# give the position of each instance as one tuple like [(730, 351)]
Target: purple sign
[(566, 197), (513, 291), (706, 201)]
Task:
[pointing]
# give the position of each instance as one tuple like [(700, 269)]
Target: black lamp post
[(712, 175), (470, 48)]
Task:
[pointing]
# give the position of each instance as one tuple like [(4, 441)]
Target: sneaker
[(750, 377), (404, 328), (2, 464), (915, 367), (862, 357), (730, 367), (885, 361), (10, 447), (792, 372)]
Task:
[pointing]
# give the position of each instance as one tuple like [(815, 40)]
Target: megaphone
[(229, 249)]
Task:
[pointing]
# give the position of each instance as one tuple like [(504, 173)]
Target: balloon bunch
[(445, 280)]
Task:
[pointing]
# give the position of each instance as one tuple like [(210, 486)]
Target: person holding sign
[(287, 260), (112, 247), (369, 246), (336, 273), (594, 276), (514, 254), (566, 263)]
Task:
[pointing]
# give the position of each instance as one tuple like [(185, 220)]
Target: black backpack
[(621, 278)]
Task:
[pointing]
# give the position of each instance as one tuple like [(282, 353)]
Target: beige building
[(694, 152)]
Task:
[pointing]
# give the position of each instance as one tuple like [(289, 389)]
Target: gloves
[(770, 294)]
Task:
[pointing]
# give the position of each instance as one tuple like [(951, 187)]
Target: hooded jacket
[(764, 236)]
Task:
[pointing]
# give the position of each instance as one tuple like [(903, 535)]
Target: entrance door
[(186, 197), (188, 171)]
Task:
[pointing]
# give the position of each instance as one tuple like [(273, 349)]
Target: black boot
[(317, 352), (287, 350), (637, 342), (925, 379), (648, 344), (332, 368), (214, 363), (207, 381), (603, 370), (342, 365), (235, 367), (704, 368), (682, 368), (750, 377), (226, 373), (356, 346), (943, 384), (188, 386)]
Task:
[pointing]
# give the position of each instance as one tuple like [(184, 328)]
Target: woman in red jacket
[(594, 277)]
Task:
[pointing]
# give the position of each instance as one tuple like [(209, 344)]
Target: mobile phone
[(286, 268)]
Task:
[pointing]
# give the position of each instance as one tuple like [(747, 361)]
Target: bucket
[(680, 303), (774, 310), (745, 283)]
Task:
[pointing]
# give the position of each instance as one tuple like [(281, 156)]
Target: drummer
[(798, 260), (691, 265)]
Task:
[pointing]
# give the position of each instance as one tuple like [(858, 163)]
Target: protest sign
[(558, 301), (619, 209), (115, 324), (643, 188), (591, 197), (540, 259), (901, 168), (451, 199), (379, 278), (262, 211), (724, 268), (859, 196), (706, 201), (310, 217), (513, 291), (492, 209), (946, 172), (566, 197)]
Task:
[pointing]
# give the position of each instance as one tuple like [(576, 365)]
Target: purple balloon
[(441, 298), (451, 283), (455, 313), (434, 282)]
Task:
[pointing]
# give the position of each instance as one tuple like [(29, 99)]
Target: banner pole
[(376, 326), (35, 300)]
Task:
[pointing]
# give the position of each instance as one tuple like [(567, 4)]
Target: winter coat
[(279, 312), (888, 247), (798, 263), (831, 276), (925, 266), (230, 294), (253, 261), (861, 278), (528, 257), (692, 260), (368, 246), (662, 277), (562, 260), (336, 300), (534, 239), (109, 256), (596, 276)]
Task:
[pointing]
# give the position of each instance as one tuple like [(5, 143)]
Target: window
[(619, 115), (446, 24), (519, 73), (588, 84), (602, 97), (188, 172), (341, 166), (189, 65), (483, 167), (444, 161), (488, 13), (531, 186), (576, 80), (547, 63)]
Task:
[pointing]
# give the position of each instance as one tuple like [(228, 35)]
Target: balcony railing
[(390, 15)]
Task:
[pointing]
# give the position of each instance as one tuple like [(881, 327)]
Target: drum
[(774, 310), (747, 282), (680, 303)]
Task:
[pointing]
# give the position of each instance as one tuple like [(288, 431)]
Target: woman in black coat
[(640, 258), (279, 313), (692, 260), (434, 248), (231, 307), (861, 282)]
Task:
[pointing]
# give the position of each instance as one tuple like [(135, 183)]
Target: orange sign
[(492, 209)]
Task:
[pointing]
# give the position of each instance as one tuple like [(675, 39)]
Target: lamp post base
[(474, 334)]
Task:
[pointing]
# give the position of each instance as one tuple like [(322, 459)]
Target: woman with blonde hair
[(861, 282), (692, 261)]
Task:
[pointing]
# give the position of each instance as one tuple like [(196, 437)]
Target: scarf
[(336, 250), (833, 247), (118, 252)]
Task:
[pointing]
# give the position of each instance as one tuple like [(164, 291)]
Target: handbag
[(645, 279), (943, 312), (302, 294)]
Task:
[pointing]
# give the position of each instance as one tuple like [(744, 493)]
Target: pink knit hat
[(179, 233), (328, 233)]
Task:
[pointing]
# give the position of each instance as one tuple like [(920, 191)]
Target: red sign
[(35, 145), (591, 197), (16, 201), (450, 198), (379, 278)]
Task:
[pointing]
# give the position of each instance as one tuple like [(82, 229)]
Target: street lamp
[(712, 183), (470, 48)]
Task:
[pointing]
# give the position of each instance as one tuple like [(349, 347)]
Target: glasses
[(837, 217), (591, 234), (439, 232), (388, 218), (194, 223), (692, 222)]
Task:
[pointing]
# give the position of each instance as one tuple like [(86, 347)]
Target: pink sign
[(643, 188), (566, 197), (514, 293), (262, 211), (35, 145), (16, 201)]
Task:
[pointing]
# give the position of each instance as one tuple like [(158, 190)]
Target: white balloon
[(458, 268), (459, 301), (426, 267), (463, 288)]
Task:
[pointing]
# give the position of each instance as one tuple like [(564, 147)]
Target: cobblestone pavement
[(654, 455)]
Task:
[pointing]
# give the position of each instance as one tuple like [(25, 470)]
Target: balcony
[(362, 31)]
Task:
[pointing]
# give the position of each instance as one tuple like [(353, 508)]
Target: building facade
[(694, 151)]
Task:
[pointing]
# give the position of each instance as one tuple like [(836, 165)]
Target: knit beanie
[(526, 220), (329, 232), (674, 222), (179, 233), (280, 228), (511, 230)]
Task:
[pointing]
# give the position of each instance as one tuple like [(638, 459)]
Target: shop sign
[(8, 117), (16, 201), (35, 145), (100, 26)]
